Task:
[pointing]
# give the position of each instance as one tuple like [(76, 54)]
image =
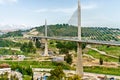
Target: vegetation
[(68, 58), (4, 76), (56, 74), (9, 52), (14, 77), (75, 77), (119, 59), (96, 55), (111, 50), (13, 34), (101, 61), (28, 47), (37, 43), (103, 70), (27, 77), (8, 43), (91, 33), (36, 64), (66, 45)]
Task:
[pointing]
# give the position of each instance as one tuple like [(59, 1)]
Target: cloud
[(67, 10), (7, 1)]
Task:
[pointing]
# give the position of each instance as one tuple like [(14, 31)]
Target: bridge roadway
[(75, 39)]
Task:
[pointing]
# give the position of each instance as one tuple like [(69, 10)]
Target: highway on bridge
[(74, 39)]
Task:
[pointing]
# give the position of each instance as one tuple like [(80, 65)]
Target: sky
[(31, 13)]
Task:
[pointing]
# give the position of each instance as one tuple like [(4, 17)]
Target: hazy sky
[(34, 12)]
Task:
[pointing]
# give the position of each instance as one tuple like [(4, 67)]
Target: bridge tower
[(46, 41), (79, 67)]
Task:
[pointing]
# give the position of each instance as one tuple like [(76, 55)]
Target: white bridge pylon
[(79, 67)]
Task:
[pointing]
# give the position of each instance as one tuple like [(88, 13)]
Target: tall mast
[(79, 20)]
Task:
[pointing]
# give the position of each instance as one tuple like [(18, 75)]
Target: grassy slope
[(97, 56)]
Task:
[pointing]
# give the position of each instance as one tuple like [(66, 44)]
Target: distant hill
[(65, 30), (88, 33)]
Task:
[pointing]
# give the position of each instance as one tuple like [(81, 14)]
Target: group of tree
[(58, 74), (28, 47), (65, 46), (13, 34), (22, 69), (9, 43)]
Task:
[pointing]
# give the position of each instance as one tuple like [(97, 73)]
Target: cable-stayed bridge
[(76, 33)]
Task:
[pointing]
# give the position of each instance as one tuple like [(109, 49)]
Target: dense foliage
[(22, 69), (65, 46), (68, 58), (59, 30), (37, 44), (8, 43), (28, 47)]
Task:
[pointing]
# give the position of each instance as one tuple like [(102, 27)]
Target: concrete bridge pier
[(46, 48), (79, 67)]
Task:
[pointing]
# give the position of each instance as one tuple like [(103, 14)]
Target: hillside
[(65, 30)]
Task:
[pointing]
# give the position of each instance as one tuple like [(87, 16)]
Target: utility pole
[(79, 67)]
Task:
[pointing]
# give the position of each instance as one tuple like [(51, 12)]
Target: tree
[(119, 59), (37, 44), (28, 47), (68, 58), (101, 61), (24, 47), (83, 45), (56, 74)]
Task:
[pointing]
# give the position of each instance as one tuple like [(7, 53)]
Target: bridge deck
[(111, 43)]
